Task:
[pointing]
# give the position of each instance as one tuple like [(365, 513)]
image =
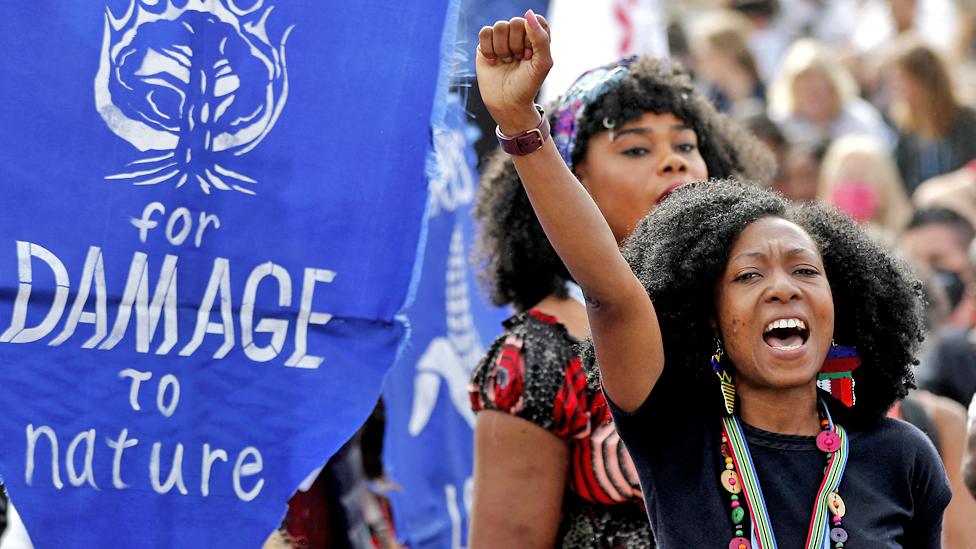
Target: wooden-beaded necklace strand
[(738, 476)]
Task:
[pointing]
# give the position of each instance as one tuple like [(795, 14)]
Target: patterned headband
[(569, 109)]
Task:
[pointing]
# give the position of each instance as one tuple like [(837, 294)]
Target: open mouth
[(786, 334)]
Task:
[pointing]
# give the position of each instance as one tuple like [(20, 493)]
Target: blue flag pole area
[(427, 451), (212, 211)]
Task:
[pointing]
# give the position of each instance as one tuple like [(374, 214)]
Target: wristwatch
[(528, 141)]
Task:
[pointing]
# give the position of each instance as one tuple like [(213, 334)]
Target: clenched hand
[(513, 60)]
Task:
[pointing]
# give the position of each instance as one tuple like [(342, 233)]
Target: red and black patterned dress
[(532, 371)]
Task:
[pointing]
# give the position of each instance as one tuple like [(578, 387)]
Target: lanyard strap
[(761, 526), (763, 538), (819, 533)]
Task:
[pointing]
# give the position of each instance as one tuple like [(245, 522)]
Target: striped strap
[(761, 525), (818, 534), (763, 538)]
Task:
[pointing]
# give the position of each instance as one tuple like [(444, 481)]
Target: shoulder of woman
[(524, 369), (859, 107), (892, 429), (859, 116), (908, 445), (897, 438), (541, 332)]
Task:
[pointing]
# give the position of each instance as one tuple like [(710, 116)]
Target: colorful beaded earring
[(835, 374), (724, 378)]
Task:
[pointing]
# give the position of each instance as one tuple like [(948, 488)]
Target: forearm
[(624, 326), (575, 226), (949, 417), (512, 62), (518, 492)]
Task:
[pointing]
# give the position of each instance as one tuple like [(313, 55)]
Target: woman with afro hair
[(747, 348), (549, 467)]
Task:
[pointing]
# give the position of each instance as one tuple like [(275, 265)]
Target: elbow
[(617, 298), (595, 302)]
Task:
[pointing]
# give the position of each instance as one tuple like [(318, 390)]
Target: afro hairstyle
[(681, 248)]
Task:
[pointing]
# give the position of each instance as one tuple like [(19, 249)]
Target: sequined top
[(532, 371)]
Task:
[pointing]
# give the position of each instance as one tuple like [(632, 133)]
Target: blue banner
[(428, 450), (211, 214)]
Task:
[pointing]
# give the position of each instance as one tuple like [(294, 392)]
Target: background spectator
[(948, 366), (815, 98), (937, 134), (801, 169), (939, 239), (859, 177), (944, 421), (954, 191), (724, 66)]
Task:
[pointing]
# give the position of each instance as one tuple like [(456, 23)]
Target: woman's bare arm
[(969, 461), (513, 60), (520, 472), (949, 418)]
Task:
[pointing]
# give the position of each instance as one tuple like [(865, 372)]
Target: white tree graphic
[(193, 83)]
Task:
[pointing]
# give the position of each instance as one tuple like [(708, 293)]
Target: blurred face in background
[(854, 189), (938, 247), (815, 98), (902, 14), (800, 174), (904, 88), (710, 62)]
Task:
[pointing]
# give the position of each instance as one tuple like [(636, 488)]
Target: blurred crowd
[(864, 103)]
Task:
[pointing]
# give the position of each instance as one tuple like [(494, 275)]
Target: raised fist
[(513, 60)]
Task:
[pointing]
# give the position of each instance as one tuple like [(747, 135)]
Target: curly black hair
[(517, 264), (681, 248)]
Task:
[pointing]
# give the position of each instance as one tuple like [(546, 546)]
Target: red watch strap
[(528, 141)]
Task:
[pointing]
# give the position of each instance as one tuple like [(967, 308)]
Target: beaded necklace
[(739, 477)]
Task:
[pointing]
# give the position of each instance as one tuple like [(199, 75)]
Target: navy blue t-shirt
[(894, 487)]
